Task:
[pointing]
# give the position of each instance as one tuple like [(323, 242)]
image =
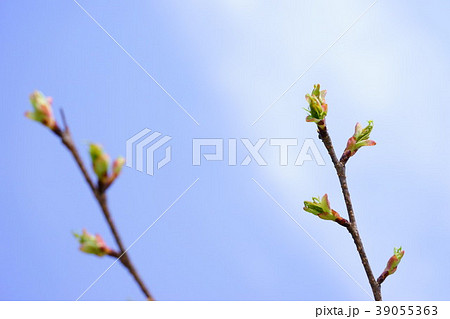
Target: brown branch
[(382, 277), (100, 196), (352, 226)]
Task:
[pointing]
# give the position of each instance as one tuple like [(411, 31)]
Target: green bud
[(42, 110), (322, 209), (91, 244), (392, 265), (117, 165), (359, 139), (318, 108), (100, 161), (394, 261)]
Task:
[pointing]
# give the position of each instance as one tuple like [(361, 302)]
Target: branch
[(100, 196), (352, 226)]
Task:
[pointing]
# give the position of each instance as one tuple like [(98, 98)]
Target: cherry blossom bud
[(392, 264), (116, 169), (100, 161), (42, 110), (358, 140), (117, 166), (318, 108), (322, 209), (395, 260), (91, 244)]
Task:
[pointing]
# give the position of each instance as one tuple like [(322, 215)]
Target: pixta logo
[(307, 152), (143, 146)]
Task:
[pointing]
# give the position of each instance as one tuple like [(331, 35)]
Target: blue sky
[(225, 62)]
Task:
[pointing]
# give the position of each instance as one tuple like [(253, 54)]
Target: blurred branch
[(100, 196)]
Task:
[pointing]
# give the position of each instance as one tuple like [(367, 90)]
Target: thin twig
[(100, 196), (382, 277), (352, 227)]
